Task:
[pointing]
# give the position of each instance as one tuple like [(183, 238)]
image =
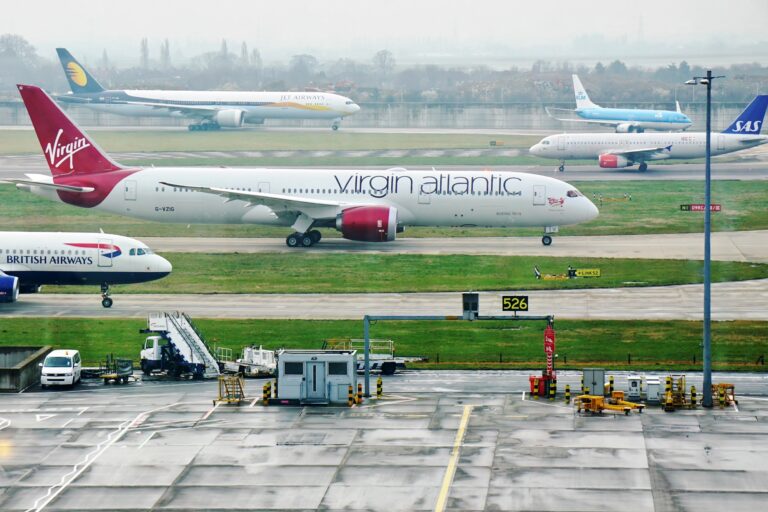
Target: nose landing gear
[(106, 301)]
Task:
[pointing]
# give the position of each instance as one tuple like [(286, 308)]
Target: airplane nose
[(163, 266), (534, 150), (591, 210), (355, 108)]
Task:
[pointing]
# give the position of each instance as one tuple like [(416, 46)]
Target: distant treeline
[(380, 79)]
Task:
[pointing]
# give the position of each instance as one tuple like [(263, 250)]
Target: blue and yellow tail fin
[(80, 80)]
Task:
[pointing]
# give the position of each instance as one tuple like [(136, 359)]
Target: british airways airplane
[(211, 109), (30, 260), (622, 119), (371, 206), (619, 150)]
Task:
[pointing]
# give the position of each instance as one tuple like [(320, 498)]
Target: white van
[(61, 368)]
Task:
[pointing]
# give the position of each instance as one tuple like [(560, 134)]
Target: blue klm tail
[(751, 120), (80, 80)]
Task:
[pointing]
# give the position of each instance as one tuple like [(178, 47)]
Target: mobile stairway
[(176, 347)]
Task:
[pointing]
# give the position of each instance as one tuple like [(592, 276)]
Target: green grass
[(650, 345), (24, 141), (303, 272), (655, 208)]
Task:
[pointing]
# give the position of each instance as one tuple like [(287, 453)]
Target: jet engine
[(9, 288), (628, 128), (608, 161), (368, 223), (231, 118)]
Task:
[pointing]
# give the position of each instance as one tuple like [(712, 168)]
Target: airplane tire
[(561, 168), (334, 127), (292, 240), (546, 240), (306, 241), (106, 302), (643, 167), (315, 235)]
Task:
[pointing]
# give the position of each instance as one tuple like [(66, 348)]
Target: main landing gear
[(204, 126), (307, 239), (643, 167), (561, 168), (106, 301)]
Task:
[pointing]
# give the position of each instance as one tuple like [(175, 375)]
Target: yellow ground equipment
[(675, 394), (116, 370), (617, 398), (231, 389), (595, 404), (725, 394)]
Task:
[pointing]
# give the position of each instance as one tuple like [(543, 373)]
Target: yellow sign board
[(588, 272)]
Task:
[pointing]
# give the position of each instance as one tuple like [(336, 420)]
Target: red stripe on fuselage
[(102, 182)]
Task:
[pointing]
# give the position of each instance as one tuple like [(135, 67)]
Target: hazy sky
[(414, 30)]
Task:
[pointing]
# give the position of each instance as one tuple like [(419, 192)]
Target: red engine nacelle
[(368, 223), (608, 161)]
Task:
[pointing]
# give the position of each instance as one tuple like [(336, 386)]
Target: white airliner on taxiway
[(364, 205), (211, 109), (618, 150), (30, 260)]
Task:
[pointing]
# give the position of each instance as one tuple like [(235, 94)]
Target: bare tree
[(165, 55), (144, 53), (384, 63), (302, 68), (244, 59), (256, 59)]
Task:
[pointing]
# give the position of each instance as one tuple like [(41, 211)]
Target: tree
[(617, 67), (599, 68), (302, 68), (384, 63), (244, 60), (144, 53), (15, 47), (104, 63), (165, 55), (256, 59)]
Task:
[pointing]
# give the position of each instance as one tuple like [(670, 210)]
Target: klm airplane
[(622, 119), (209, 110)]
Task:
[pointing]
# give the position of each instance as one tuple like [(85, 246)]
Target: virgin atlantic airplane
[(369, 206)]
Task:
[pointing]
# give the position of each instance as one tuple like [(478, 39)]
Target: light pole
[(707, 364)]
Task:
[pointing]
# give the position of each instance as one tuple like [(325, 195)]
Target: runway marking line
[(450, 471)]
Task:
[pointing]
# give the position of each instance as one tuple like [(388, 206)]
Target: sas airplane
[(30, 260), (211, 110), (369, 206), (622, 119), (619, 150)]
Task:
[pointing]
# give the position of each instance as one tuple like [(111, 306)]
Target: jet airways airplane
[(618, 150), (364, 205), (212, 109), (622, 119), (30, 260)]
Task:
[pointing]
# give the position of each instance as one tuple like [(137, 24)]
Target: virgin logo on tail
[(58, 153)]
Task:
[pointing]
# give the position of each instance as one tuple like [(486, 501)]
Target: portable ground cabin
[(316, 376)]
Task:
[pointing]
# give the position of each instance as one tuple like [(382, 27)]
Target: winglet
[(582, 98), (80, 80), (751, 120)]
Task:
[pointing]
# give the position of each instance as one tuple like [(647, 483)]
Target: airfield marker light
[(706, 400)]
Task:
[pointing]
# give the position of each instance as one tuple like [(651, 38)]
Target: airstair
[(180, 330)]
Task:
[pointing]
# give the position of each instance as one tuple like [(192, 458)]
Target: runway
[(730, 301), (726, 246)]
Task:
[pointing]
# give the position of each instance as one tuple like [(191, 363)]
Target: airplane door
[(561, 142), (105, 247), (263, 186), (424, 198), (315, 379), (130, 190), (539, 193), (720, 142)]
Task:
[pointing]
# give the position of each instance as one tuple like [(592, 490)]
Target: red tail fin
[(67, 149)]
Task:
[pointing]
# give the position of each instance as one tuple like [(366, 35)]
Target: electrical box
[(634, 387), (594, 379), (471, 305), (653, 387)]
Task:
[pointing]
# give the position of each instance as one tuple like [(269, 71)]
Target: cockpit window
[(348, 102), (132, 252), (574, 193), (140, 251), (546, 142)]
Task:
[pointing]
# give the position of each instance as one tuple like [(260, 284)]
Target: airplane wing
[(640, 154), (48, 183), (306, 210), (192, 110), (570, 116)]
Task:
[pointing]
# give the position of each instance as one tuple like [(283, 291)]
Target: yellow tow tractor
[(595, 404)]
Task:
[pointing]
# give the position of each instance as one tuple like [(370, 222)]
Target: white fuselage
[(256, 105), (78, 258), (682, 145), (422, 198)]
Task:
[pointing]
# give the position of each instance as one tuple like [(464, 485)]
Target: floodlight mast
[(707, 335)]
